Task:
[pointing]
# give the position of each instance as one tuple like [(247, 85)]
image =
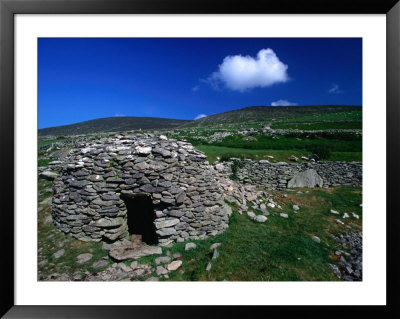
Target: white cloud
[(119, 115), (335, 89), (195, 88), (283, 103), (200, 116), (240, 73)]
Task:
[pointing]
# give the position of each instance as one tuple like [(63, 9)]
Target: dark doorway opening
[(141, 217)]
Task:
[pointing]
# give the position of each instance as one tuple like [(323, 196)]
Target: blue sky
[(84, 79)]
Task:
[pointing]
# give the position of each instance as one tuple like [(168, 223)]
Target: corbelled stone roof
[(184, 189)]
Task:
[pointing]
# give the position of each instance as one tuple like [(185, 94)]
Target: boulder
[(308, 178)]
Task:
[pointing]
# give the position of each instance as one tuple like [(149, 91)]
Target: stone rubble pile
[(242, 195), (350, 262)]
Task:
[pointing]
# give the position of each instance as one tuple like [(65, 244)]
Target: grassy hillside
[(281, 249), (113, 124), (282, 114)]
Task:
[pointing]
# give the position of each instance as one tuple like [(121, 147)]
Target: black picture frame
[(8, 8)]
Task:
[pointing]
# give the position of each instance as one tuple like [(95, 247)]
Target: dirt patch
[(334, 257)]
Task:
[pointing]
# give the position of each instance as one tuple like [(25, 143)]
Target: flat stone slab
[(59, 253), (82, 258), (133, 251), (100, 263), (162, 260), (174, 265)]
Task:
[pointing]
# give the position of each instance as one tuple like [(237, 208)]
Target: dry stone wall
[(277, 175), (96, 177)]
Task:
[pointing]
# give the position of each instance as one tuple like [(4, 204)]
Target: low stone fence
[(277, 175)]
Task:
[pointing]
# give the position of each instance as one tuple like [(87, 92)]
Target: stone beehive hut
[(162, 189)]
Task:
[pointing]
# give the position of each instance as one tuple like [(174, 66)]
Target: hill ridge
[(112, 124)]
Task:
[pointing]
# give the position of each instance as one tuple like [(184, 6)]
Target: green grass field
[(321, 116), (214, 152), (278, 250), (319, 125)]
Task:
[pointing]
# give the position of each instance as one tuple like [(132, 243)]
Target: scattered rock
[(124, 267), (134, 265), (47, 220), (160, 270), (190, 246), (215, 254), (316, 239), (176, 256), (260, 218), (284, 215), (215, 246), (352, 264), (296, 207), (208, 268), (139, 272), (58, 254), (152, 279), (251, 214), (174, 265), (82, 258), (335, 270), (162, 260), (100, 263), (335, 212)]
